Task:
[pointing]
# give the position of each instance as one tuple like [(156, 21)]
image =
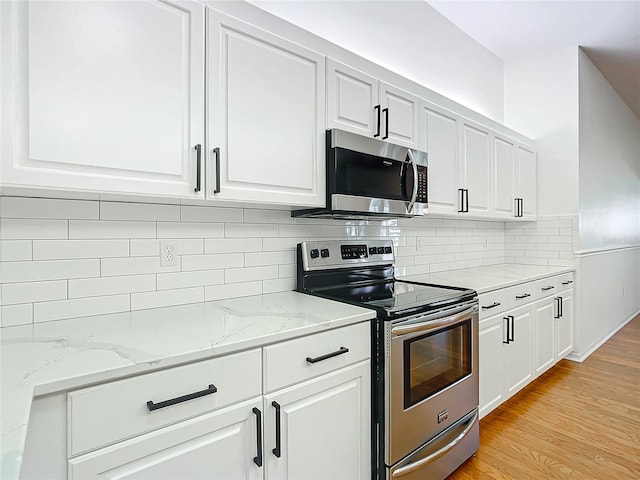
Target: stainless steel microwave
[(367, 177)]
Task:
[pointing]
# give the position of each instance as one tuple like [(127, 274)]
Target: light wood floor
[(577, 421)]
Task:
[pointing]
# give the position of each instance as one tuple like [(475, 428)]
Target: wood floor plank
[(578, 421)]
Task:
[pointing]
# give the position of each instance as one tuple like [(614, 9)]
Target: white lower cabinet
[(219, 445), (165, 425), (321, 428), (524, 340)]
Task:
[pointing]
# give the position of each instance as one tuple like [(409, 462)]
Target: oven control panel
[(341, 254)]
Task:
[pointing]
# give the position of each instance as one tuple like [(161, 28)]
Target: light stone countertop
[(488, 278), (56, 356)]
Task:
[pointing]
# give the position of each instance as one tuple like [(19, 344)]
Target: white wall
[(609, 164), (541, 101), (410, 38)]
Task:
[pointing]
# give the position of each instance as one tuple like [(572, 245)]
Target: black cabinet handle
[(173, 401), (466, 201), (276, 451), (508, 328), (520, 297), (568, 282), (377, 109), (522, 207), (550, 287), (386, 123), (216, 152), (558, 308), (513, 328), (516, 207), (493, 305), (258, 459), (328, 355), (561, 307), (461, 191), (198, 167)]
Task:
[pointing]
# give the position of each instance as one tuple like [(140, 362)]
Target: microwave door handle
[(415, 180)]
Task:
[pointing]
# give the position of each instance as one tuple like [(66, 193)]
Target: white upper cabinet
[(514, 182), (103, 96), (266, 103), (360, 103), (441, 140), (476, 173)]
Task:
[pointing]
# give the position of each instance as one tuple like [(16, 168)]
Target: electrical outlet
[(168, 254)]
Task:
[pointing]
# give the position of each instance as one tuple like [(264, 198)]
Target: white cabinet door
[(441, 141), (504, 187), (266, 116), (352, 96), (400, 111), (491, 360), (520, 349), (103, 96), (220, 445), (476, 161), (564, 325), (324, 427), (544, 334), (526, 182)]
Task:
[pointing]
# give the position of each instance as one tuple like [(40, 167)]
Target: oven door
[(431, 376)]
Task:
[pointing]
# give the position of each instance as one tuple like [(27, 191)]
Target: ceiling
[(608, 32)]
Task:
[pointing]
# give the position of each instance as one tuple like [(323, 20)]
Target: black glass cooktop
[(397, 297)]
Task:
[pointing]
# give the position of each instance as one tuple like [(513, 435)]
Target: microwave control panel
[(422, 185)]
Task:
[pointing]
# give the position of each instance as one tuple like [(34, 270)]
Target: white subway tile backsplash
[(29, 229), (13, 293), (102, 229), (151, 247), (13, 272), (94, 287), (12, 315), (67, 258), (232, 290), (80, 307), (139, 211), (233, 245), (166, 298), (15, 250), (211, 214), (190, 230), (212, 261), (27, 207), (70, 249), (236, 275), (133, 266), (199, 278)]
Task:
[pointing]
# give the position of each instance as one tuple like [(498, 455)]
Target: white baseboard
[(573, 356)]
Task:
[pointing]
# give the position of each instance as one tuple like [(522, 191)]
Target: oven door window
[(436, 360)]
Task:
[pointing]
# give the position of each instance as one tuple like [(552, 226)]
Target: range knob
[(324, 253), (314, 253)]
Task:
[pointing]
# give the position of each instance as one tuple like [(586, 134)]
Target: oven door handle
[(437, 454), (433, 324)]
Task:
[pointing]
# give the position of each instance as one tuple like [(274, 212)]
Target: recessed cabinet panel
[(527, 182), (492, 368), (442, 143), (266, 116), (564, 337), (544, 328), (504, 177), (399, 115), (520, 351), (109, 96), (476, 153), (351, 97)]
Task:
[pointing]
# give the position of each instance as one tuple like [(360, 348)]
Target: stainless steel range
[(425, 346)]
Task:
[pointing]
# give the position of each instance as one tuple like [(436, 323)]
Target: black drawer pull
[(544, 289), (567, 282), (258, 458), (198, 167), (328, 355), (493, 305), (520, 297), (185, 398)]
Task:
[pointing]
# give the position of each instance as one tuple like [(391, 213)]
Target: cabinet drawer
[(564, 281), (492, 303), (304, 358), (545, 287), (520, 295), (107, 413)]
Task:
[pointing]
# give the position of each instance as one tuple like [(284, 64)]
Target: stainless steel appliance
[(368, 177), (425, 345)]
